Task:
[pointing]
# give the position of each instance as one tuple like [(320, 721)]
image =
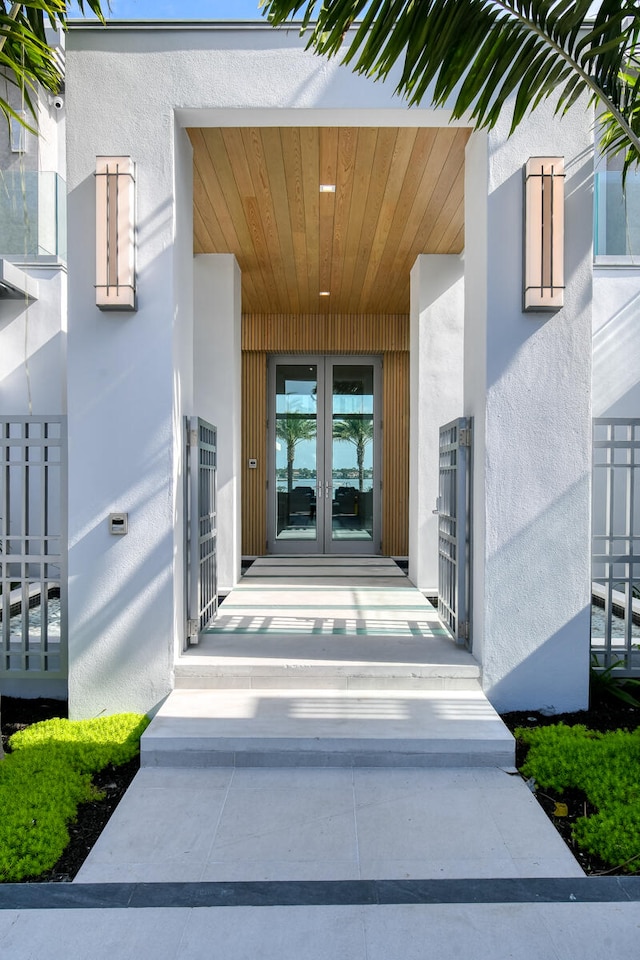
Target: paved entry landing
[(327, 662), (326, 729), (336, 622)]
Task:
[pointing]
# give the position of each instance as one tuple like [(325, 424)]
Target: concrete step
[(322, 727), (333, 662), (328, 676)]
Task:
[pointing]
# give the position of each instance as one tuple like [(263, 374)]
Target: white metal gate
[(202, 576), (615, 557), (454, 528), (33, 547)]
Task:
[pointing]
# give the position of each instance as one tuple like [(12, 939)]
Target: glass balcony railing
[(33, 215), (617, 215)]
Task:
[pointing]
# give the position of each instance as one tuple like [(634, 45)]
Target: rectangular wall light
[(544, 233), (115, 234)]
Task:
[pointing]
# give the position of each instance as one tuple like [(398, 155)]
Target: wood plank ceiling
[(398, 193)]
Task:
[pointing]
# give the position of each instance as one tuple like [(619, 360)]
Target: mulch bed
[(606, 713), (92, 817)]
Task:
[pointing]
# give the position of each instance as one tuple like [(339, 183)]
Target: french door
[(324, 450)]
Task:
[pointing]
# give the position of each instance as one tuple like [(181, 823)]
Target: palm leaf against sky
[(25, 56), (475, 55)]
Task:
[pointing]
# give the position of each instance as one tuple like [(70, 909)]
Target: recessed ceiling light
[(327, 188), (325, 293)]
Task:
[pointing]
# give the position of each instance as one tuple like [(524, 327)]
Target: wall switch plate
[(118, 524)]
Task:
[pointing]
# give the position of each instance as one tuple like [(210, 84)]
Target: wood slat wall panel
[(317, 333), (263, 334), (254, 444), (395, 455)]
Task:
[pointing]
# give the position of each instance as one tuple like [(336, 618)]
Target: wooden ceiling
[(399, 193)]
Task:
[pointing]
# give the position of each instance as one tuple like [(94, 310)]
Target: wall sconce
[(544, 233), (115, 241)]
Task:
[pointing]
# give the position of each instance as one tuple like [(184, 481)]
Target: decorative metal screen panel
[(454, 527), (615, 560), (202, 577), (33, 547)]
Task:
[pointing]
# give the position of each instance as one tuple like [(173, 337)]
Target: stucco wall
[(437, 334), (527, 385), (183, 346), (218, 378), (129, 91), (125, 395)]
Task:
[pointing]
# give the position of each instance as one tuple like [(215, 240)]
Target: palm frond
[(613, 140), (476, 57), (26, 59)]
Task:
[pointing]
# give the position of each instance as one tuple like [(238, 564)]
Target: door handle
[(326, 491)]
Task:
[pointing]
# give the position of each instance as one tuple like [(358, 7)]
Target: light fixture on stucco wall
[(115, 234), (543, 234)]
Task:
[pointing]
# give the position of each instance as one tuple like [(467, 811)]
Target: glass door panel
[(296, 452), (352, 452), (324, 455)]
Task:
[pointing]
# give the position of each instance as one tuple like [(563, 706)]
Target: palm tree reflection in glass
[(357, 430), (292, 429)]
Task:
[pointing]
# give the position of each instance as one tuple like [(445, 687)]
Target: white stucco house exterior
[(168, 96)]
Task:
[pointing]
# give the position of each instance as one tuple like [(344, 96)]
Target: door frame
[(324, 544)]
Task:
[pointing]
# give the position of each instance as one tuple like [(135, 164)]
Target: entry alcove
[(383, 335)]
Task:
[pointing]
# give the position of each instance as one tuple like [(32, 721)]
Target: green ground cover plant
[(605, 767), (45, 777)]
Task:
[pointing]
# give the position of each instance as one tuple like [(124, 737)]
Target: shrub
[(45, 778), (605, 767)]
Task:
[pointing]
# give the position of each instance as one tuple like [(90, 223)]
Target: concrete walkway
[(301, 799), (287, 823)]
